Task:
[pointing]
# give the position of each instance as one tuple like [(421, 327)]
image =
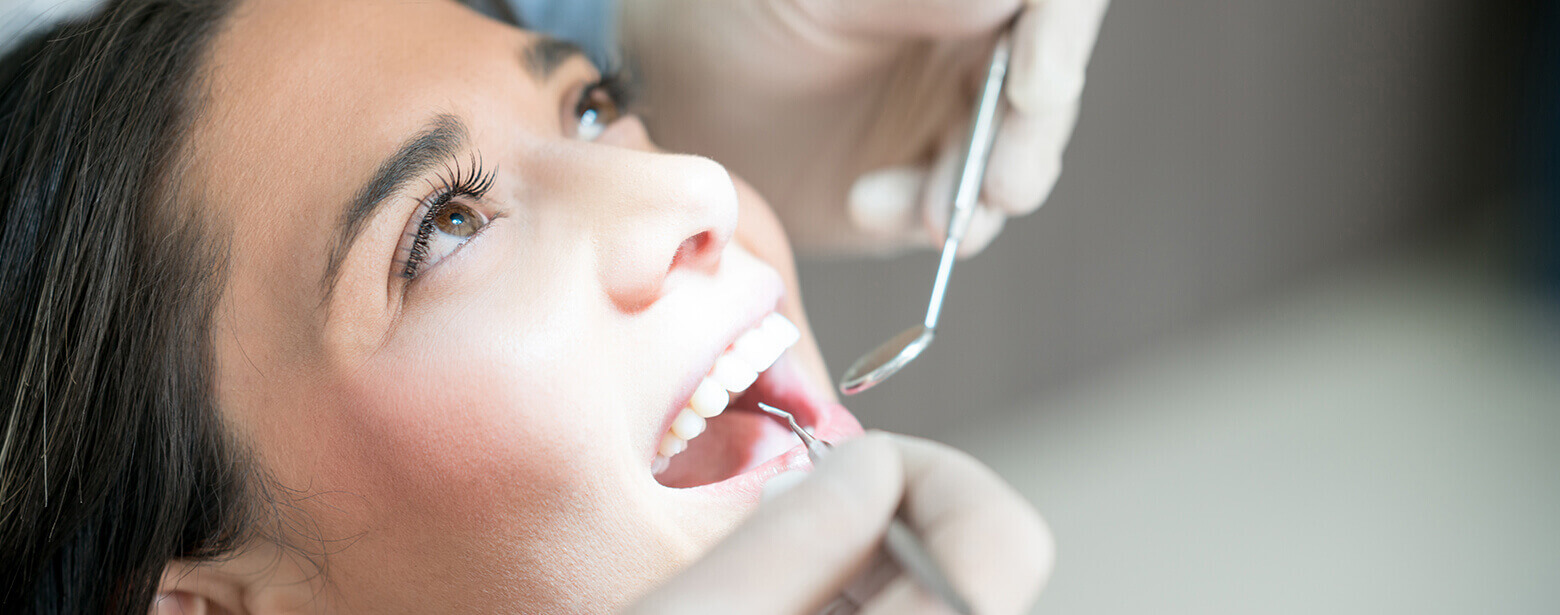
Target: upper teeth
[(733, 373)]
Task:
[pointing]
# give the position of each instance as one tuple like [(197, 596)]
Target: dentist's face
[(468, 302)]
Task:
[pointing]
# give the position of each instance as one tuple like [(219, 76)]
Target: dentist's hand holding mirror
[(853, 116), (815, 545), (850, 115)]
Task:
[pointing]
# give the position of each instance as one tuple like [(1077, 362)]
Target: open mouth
[(721, 433)]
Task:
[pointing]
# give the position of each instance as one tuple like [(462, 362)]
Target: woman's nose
[(659, 217)]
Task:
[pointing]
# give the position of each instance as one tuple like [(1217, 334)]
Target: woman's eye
[(457, 221), (442, 231), (598, 108)]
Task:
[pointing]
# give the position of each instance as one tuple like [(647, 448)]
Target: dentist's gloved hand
[(849, 115), (801, 549)]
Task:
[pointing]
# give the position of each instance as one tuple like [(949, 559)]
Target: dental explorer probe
[(892, 355), (901, 543)]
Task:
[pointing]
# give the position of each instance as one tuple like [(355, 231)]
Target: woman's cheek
[(760, 231), (461, 424), (442, 450)]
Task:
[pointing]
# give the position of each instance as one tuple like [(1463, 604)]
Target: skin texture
[(478, 439)]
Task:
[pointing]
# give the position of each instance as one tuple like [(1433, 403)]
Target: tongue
[(736, 441)]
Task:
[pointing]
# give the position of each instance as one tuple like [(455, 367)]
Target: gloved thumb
[(886, 203)]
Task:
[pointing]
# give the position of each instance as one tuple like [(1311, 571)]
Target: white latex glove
[(849, 114), (800, 550)]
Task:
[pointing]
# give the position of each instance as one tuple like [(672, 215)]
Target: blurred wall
[(1381, 441), (1224, 146)]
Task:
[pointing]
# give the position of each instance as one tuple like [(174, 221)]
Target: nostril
[(691, 248)]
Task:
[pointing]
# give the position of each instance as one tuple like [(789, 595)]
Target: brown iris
[(597, 109), (457, 220)]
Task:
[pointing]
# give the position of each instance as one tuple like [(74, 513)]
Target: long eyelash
[(472, 182)]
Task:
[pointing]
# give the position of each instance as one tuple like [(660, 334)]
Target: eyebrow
[(546, 54), (440, 140)]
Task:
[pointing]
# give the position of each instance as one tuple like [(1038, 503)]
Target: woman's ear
[(198, 588), (180, 603), (263, 580)]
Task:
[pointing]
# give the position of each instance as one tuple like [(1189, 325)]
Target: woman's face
[(466, 303)]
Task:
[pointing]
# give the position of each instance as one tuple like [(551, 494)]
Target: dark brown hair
[(113, 459)]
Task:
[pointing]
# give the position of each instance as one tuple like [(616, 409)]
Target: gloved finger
[(911, 18), (903, 596), (882, 571), (937, 200), (1052, 43), (1026, 158), (985, 225), (937, 194), (886, 205), (800, 548), (953, 501)]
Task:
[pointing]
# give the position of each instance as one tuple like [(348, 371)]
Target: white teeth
[(735, 371), (687, 425), (709, 399), (784, 330), (732, 374), (762, 346), (756, 349), (671, 445)]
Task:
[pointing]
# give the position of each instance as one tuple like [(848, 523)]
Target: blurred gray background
[(1269, 347), (1224, 147)]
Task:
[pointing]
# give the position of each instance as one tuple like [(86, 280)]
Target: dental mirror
[(892, 355)]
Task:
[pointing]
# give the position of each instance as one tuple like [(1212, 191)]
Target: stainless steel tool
[(901, 543), (894, 354)]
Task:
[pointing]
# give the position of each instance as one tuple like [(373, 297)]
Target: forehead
[(296, 84), (304, 99)]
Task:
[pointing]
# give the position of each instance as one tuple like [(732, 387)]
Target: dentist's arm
[(847, 114), (801, 549)]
